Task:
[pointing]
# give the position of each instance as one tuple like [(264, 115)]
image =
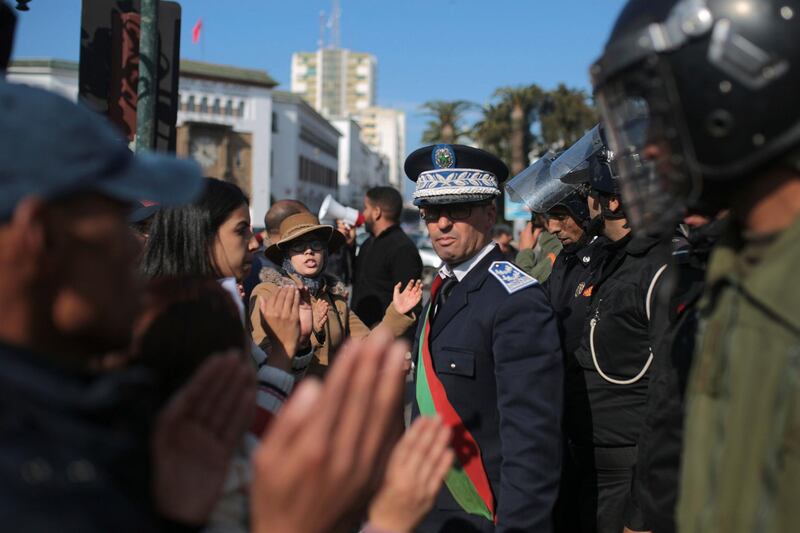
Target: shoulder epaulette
[(510, 276)]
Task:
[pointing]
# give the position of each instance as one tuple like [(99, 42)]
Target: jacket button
[(452, 365), (36, 471)]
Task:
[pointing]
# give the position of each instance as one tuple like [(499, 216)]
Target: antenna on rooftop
[(336, 36), (321, 39)]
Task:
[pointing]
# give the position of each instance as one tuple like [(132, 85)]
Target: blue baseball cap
[(51, 147)]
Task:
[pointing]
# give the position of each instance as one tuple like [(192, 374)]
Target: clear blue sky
[(426, 49)]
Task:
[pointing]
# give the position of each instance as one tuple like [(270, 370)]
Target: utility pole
[(148, 76)]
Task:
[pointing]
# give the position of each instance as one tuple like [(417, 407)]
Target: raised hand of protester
[(405, 301), (196, 434), (529, 236), (325, 452), (413, 477), (319, 311), (348, 231), (280, 312)]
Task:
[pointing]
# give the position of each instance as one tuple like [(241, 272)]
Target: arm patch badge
[(510, 276)]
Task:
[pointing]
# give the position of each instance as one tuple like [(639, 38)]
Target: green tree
[(447, 123), (565, 115), (493, 131), (523, 104)]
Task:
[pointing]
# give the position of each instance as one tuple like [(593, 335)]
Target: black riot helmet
[(697, 95), (540, 190), (588, 162)]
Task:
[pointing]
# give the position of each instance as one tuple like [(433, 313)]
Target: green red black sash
[(467, 480)]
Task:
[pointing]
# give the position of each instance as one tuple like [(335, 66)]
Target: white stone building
[(384, 130), (359, 167), (305, 152), (336, 82)]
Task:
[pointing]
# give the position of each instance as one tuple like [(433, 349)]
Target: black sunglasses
[(432, 213), (301, 246)]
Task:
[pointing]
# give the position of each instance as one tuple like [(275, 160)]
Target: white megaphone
[(332, 210)]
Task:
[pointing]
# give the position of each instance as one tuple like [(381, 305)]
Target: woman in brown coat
[(300, 254)]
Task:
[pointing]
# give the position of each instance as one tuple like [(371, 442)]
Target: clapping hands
[(325, 452)]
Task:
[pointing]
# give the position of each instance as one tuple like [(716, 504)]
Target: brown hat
[(294, 227)]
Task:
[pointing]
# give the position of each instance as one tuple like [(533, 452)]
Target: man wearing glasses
[(488, 357)]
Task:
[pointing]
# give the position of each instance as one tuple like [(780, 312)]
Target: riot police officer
[(700, 100), (606, 383)]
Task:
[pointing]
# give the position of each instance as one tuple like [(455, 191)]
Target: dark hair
[(182, 238), (389, 200), (501, 229), (184, 321), (281, 210)]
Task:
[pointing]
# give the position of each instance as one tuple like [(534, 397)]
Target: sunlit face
[(97, 291), (563, 226), (307, 255), (234, 245), (456, 241)]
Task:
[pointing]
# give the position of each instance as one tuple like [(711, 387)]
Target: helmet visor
[(643, 134), (572, 165), (537, 188)]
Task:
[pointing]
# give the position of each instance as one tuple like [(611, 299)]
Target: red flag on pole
[(196, 31)]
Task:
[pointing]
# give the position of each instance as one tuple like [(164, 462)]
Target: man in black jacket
[(607, 382), (386, 258)]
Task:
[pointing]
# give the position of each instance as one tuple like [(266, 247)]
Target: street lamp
[(22, 5)]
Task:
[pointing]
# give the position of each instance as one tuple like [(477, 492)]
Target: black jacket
[(569, 289), (381, 263), (597, 411), (661, 441), (497, 354)]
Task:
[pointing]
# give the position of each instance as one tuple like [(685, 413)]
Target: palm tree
[(493, 131), (523, 105), (446, 126), (565, 116)]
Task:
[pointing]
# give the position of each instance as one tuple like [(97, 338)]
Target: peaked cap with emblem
[(454, 173)]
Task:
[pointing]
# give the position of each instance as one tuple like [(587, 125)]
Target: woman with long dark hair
[(210, 237)]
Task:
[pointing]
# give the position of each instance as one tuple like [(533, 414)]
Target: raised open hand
[(405, 301), (326, 448), (196, 434), (280, 312), (319, 310), (413, 477)]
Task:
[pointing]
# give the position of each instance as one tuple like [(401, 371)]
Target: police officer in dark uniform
[(569, 286), (700, 101), (606, 384), (488, 360)]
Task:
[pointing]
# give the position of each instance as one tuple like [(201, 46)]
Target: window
[(229, 108), (190, 104), (204, 105), (216, 108), (274, 122), (240, 110)]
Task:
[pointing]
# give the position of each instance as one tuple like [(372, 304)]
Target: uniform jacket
[(342, 321), (675, 313), (600, 413), (741, 460), (499, 360), (569, 289)]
